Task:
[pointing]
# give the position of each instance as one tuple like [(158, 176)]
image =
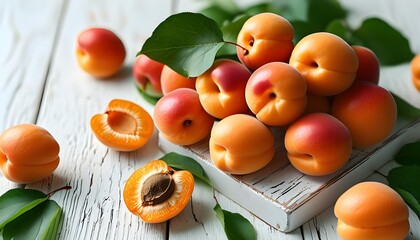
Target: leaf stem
[(59, 189), (234, 43)]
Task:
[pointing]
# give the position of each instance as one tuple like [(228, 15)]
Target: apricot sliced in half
[(125, 126), (156, 192)]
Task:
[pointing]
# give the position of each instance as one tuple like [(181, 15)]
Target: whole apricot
[(267, 37), (369, 111), (369, 66), (147, 75), (371, 210), (276, 93), (415, 71), (171, 80), (241, 144), (318, 144), (28, 153), (222, 88), (180, 117), (100, 52), (156, 192), (326, 61), (124, 126)]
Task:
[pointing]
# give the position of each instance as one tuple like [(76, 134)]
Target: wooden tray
[(282, 196)]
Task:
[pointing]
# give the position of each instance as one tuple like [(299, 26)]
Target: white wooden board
[(282, 196)]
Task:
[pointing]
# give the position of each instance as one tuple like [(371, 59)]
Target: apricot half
[(371, 210), (125, 126), (28, 153), (156, 192)]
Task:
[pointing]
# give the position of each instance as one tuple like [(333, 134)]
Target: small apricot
[(100, 52), (415, 71), (171, 80), (147, 75), (369, 66), (28, 153), (241, 144), (371, 210), (156, 192), (125, 126)]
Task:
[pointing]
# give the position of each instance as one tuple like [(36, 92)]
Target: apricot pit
[(156, 192)]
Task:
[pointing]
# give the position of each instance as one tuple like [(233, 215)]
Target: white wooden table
[(41, 83)]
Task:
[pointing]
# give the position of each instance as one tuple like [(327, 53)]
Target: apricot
[(100, 52), (171, 80), (415, 71), (222, 88), (326, 61), (318, 144), (276, 93), (316, 103), (156, 192), (267, 37), (124, 126), (147, 75), (241, 144), (28, 153), (181, 119), (369, 67), (371, 210), (369, 111)]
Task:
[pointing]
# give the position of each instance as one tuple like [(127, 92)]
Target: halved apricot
[(156, 192), (125, 126)]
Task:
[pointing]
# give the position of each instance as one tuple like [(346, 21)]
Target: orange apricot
[(156, 192), (125, 126), (371, 210), (415, 71), (100, 52), (171, 80), (327, 62), (28, 153), (241, 144)]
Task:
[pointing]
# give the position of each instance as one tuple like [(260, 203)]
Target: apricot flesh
[(125, 126), (139, 192), (371, 210), (28, 153)]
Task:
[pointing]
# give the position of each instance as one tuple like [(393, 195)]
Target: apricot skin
[(369, 111), (28, 153), (241, 144), (371, 210), (267, 37), (100, 52), (276, 94), (171, 80), (318, 144), (222, 88), (181, 119), (415, 71), (368, 69), (147, 75), (326, 61)]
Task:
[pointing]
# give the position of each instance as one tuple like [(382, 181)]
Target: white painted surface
[(41, 83)]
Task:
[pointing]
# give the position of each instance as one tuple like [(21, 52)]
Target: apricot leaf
[(409, 154), (235, 225), (322, 12), (230, 34), (181, 162), (186, 42), (16, 202), (41, 222), (406, 110), (389, 45), (406, 180)]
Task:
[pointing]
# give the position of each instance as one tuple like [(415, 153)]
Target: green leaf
[(186, 42), (302, 29), (406, 180), (340, 28), (227, 5), (409, 154), (322, 12), (147, 97), (389, 45), (41, 222), (16, 202), (217, 13), (230, 34), (404, 109), (181, 162), (410, 200), (235, 225)]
